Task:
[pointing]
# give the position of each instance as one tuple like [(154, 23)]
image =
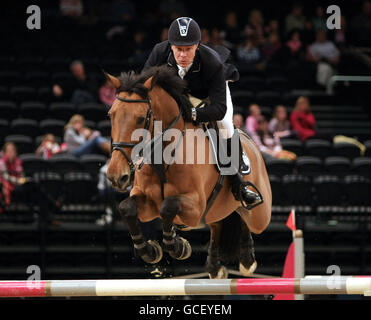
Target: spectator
[(269, 145), (71, 8), (81, 140), (123, 11), (294, 43), (252, 119), (308, 35), (107, 93), (279, 125), (49, 147), (361, 26), (341, 35), (255, 26), (248, 54), (81, 89), (325, 55), (11, 172), (302, 119), (271, 46), (231, 31), (319, 20), (238, 121), (295, 20)]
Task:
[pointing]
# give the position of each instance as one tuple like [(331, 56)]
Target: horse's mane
[(163, 76)]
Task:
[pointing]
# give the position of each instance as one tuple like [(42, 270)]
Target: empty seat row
[(323, 148), (58, 110), (313, 166), (323, 190), (62, 164)]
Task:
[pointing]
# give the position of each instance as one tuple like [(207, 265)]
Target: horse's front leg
[(150, 251), (177, 247), (213, 265)]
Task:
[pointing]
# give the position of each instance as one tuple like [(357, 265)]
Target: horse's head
[(130, 111), (139, 99)]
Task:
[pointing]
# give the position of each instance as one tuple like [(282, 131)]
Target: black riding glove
[(186, 108)]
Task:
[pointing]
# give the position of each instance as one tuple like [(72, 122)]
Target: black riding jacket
[(206, 78)]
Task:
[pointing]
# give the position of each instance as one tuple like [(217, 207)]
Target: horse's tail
[(229, 249)]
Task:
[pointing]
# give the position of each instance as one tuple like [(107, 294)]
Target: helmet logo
[(183, 24)]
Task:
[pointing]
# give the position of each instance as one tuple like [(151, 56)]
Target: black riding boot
[(240, 188)]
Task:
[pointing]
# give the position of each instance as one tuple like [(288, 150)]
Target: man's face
[(184, 55)]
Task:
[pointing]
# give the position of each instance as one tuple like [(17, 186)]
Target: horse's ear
[(113, 80), (148, 83)]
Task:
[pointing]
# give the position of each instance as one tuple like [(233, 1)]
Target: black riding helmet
[(184, 31)]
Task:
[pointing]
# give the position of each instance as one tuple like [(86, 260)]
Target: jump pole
[(178, 287)]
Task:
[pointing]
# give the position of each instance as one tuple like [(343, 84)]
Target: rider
[(207, 75)]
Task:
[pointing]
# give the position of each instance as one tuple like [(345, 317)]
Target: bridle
[(120, 145)]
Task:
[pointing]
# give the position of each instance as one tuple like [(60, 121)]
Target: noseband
[(120, 145)]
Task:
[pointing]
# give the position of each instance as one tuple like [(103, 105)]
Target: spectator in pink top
[(252, 119)]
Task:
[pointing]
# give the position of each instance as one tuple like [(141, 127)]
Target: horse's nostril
[(123, 180)]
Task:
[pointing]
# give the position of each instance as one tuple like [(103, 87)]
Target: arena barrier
[(177, 287)]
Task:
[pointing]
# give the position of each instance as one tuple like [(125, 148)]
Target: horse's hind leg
[(150, 251), (178, 247), (213, 266), (247, 255)]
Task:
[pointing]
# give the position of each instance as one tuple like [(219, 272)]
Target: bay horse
[(181, 201)]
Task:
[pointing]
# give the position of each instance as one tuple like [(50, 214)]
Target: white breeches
[(226, 124)]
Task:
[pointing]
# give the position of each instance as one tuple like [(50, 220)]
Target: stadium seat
[(8, 110), (62, 110), (33, 110), (56, 64), (252, 83), (268, 98), (45, 94), (23, 143), (22, 93), (27, 127), (104, 127), (277, 193), (308, 165), (362, 166), (33, 163), (337, 165), (61, 78), (4, 93), (64, 163), (92, 163), (50, 181), (10, 78), (329, 190), (92, 111), (297, 190), (80, 187), (279, 167), (37, 79), (4, 129), (293, 145), (367, 144), (242, 98), (277, 83), (347, 150), (318, 148), (358, 190), (53, 126)]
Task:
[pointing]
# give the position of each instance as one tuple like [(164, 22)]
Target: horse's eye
[(140, 120)]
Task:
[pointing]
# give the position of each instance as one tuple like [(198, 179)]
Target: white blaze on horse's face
[(184, 55)]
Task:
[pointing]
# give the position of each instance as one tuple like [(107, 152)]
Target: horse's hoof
[(222, 273), (157, 252), (248, 271), (186, 250)]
